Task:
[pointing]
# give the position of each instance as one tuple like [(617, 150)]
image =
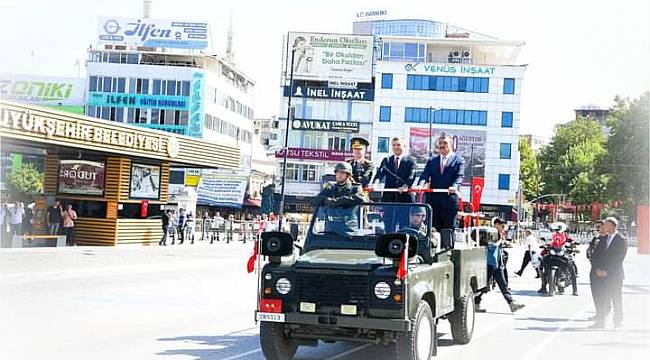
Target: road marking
[(348, 352), (242, 354), (534, 352)]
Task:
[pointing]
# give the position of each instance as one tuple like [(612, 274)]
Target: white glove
[(379, 186)]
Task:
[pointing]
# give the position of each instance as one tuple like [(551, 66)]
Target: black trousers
[(527, 259), (445, 219), (69, 236), (608, 295), (497, 274)]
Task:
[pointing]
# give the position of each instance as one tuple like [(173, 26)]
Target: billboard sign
[(331, 56), (166, 102), (331, 93), (162, 33), (196, 108), (222, 188), (470, 144), (42, 90), (81, 177), (145, 181), (325, 125)]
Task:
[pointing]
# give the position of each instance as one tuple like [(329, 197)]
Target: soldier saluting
[(362, 168)]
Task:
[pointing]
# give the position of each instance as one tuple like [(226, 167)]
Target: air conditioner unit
[(455, 56), (466, 54)]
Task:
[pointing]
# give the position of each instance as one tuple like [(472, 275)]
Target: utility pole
[(290, 113)]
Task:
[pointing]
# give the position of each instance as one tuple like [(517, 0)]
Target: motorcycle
[(558, 268)]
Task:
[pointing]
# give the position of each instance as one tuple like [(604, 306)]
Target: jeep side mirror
[(276, 244), (391, 245)]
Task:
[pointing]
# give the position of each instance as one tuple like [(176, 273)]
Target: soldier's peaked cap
[(359, 143)]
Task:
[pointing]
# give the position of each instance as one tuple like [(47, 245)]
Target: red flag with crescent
[(477, 191)]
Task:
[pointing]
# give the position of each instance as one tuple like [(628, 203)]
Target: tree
[(571, 160), (529, 171), (25, 180), (627, 160)]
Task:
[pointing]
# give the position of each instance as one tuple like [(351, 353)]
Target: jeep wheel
[(462, 319), (275, 343), (420, 343)]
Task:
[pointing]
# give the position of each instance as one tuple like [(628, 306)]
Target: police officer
[(362, 168), (340, 200)]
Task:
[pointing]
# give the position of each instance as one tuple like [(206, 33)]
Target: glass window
[(292, 172), (504, 150), (156, 87), (508, 86), (411, 50), (386, 49), (171, 87), (130, 115), (484, 85), (155, 116), (386, 81), (506, 119), (384, 113), (121, 85), (410, 82), (308, 173), (107, 84), (93, 83), (483, 118), (397, 50), (504, 181), (114, 58), (119, 115), (186, 88), (132, 58), (382, 144), (106, 112)]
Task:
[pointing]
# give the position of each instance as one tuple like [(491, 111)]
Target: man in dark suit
[(444, 171), (607, 272), (397, 172)]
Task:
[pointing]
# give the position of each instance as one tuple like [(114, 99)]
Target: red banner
[(643, 229), (477, 191)]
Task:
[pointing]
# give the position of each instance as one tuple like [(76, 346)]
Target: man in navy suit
[(444, 171), (397, 172), (607, 273)]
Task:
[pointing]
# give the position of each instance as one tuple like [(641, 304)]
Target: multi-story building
[(534, 141), (433, 78), (265, 130)]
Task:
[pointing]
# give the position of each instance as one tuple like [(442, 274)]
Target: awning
[(253, 202)]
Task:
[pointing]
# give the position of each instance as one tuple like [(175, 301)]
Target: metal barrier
[(241, 230)]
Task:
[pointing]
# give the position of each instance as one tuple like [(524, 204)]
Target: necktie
[(396, 163), (609, 240), (442, 164)]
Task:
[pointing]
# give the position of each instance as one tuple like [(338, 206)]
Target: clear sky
[(579, 52)]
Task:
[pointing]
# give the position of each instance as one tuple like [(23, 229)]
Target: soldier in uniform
[(362, 168), (341, 200)]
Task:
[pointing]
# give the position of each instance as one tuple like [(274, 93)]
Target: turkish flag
[(402, 270), (477, 191), (250, 266)]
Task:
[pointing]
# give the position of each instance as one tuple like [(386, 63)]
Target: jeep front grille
[(332, 289)]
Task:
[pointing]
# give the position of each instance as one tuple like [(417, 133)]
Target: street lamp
[(290, 112)]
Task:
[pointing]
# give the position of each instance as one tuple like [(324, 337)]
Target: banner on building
[(331, 56), (222, 188), (145, 182), (81, 177), (162, 33), (196, 108), (166, 102), (470, 144), (42, 90), (330, 93), (325, 125), (315, 154)]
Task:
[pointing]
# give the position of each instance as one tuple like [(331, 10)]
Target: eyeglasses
[(419, 215)]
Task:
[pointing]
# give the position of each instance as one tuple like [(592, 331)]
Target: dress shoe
[(515, 307), (479, 309), (518, 273)]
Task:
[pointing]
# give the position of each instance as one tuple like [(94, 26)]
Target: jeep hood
[(339, 259)]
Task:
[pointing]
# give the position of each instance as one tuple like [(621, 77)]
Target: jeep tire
[(421, 342), (462, 319), (275, 343)]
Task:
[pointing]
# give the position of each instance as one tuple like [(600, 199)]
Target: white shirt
[(16, 215), (610, 238), (530, 241)]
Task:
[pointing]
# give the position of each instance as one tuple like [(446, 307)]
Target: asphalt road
[(197, 301)]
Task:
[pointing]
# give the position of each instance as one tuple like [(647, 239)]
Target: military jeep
[(376, 274)]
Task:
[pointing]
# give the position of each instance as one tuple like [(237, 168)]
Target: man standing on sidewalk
[(495, 269), (69, 216), (607, 271), (531, 244), (165, 227)]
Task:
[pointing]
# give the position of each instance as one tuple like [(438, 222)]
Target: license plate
[(270, 317)]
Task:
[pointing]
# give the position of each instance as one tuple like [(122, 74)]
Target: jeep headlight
[(382, 290), (283, 286)]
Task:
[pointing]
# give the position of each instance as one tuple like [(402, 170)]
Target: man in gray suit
[(607, 271)]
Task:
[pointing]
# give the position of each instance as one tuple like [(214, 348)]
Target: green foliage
[(26, 180), (570, 161), (627, 145), (529, 171)]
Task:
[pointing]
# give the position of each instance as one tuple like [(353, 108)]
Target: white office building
[(458, 82)]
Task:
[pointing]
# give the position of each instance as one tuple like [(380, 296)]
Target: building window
[(508, 86), (308, 173), (93, 83), (384, 113), (445, 116), (337, 143), (386, 81), (506, 119), (382, 144), (504, 181), (292, 172), (505, 150), (448, 83)]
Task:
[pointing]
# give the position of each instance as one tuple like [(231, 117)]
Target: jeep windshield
[(364, 222)]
